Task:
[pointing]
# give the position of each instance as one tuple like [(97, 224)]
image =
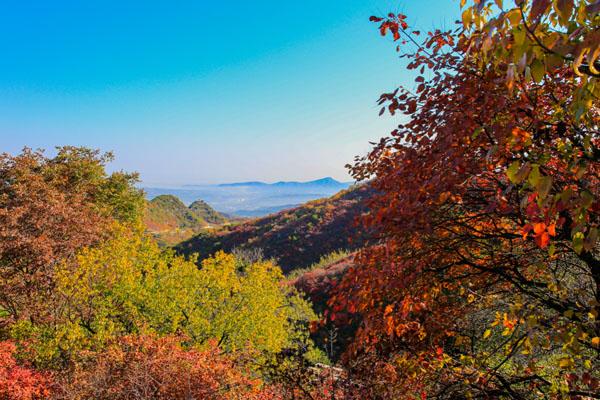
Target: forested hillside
[(207, 213), (171, 221), (296, 238)]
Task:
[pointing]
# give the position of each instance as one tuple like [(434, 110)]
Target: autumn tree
[(50, 208), (486, 278), (147, 367), (128, 285)]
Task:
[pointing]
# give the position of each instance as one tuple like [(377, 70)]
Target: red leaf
[(539, 228), (542, 240), (538, 8), (383, 28), (525, 230)]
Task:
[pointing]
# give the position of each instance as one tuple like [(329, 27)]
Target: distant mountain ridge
[(327, 181)]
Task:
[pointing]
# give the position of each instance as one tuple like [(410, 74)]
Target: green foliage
[(170, 221), (207, 213), (323, 262), (120, 199), (168, 212), (80, 169), (127, 285)]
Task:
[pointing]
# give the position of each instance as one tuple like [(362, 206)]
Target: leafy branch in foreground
[(486, 278)]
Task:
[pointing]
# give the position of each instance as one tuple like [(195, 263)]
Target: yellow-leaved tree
[(128, 285)]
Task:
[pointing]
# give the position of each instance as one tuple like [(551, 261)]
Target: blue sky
[(204, 92)]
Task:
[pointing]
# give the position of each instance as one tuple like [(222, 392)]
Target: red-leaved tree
[(486, 279)]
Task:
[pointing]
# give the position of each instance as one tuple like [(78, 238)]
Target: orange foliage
[(18, 382), (148, 367), (486, 204), (43, 220)]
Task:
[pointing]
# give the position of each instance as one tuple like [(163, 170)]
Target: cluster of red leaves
[(148, 367), (18, 382), (394, 24)]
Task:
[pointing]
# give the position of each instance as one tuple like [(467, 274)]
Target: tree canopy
[(50, 208), (92, 307), (486, 278)]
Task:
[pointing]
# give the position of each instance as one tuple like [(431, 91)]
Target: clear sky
[(204, 91)]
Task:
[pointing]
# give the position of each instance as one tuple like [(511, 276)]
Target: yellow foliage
[(129, 285)]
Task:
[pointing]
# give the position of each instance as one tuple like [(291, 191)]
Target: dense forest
[(465, 264)]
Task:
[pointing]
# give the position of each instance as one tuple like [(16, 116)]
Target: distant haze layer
[(253, 199)]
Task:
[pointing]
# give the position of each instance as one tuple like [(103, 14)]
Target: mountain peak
[(325, 181), (165, 199)]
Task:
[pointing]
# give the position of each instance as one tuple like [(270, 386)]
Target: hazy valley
[(252, 199)]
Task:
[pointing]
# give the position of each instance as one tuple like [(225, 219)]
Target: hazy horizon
[(271, 182), (251, 198)]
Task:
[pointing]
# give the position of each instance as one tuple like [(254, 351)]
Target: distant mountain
[(171, 221), (253, 199), (323, 182), (237, 184), (297, 237), (329, 181)]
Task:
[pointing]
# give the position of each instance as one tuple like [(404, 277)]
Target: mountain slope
[(317, 283), (296, 237), (170, 221), (208, 214)]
